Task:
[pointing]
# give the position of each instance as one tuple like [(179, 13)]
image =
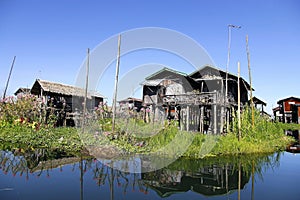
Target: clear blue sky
[(50, 38)]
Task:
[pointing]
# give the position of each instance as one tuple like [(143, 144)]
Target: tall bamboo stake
[(116, 85), (239, 104), (250, 79), (11, 68), (86, 86)]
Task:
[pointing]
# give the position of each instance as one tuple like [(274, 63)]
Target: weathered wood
[(201, 119), (215, 114), (187, 118)]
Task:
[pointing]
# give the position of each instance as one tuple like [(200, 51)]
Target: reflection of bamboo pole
[(250, 80), (239, 104), (239, 184), (116, 86), (252, 188), (112, 183), (81, 177)]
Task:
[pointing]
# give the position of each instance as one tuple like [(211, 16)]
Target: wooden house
[(197, 100), (288, 110), (259, 105), (211, 79), (22, 91), (72, 96), (165, 82), (65, 100), (131, 103)]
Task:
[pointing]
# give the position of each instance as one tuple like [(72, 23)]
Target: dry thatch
[(58, 88)]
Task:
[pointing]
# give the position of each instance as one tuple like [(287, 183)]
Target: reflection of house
[(288, 110), (131, 103), (61, 93), (197, 100), (209, 181)]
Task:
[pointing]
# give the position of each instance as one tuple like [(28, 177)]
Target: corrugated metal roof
[(155, 82)]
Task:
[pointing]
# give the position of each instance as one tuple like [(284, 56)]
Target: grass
[(135, 136), (64, 140)]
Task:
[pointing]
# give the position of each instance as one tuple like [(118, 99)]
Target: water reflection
[(295, 147), (208, 177)]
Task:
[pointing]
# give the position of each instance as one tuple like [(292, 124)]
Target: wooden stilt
[(215, 113), (202, 119), (187, 118)]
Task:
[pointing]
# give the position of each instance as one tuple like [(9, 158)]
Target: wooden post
[(10, 71), (116, 86), (188, 118), (201, 119), (215, 112), (239, 104), (86, 86), (181, 119), (250, 80), (222, 102)]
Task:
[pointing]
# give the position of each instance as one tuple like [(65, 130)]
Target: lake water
[(275, 176)]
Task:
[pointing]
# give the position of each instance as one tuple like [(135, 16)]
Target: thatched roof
[(58, 88)]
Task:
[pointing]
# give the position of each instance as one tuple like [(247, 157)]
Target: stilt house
[(288, 110), (60, 94), (198, 100)]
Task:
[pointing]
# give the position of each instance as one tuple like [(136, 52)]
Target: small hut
[(131, 103), (72, 96), (22, 91), (288, 110)]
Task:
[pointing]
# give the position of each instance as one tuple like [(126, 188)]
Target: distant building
[(259, 105), (288, 110), (22, 91), (131, 103)]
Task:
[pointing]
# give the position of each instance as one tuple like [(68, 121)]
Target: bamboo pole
[(250, 80), (239, 104), (116, 85), (86, 86), (11, 68)]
